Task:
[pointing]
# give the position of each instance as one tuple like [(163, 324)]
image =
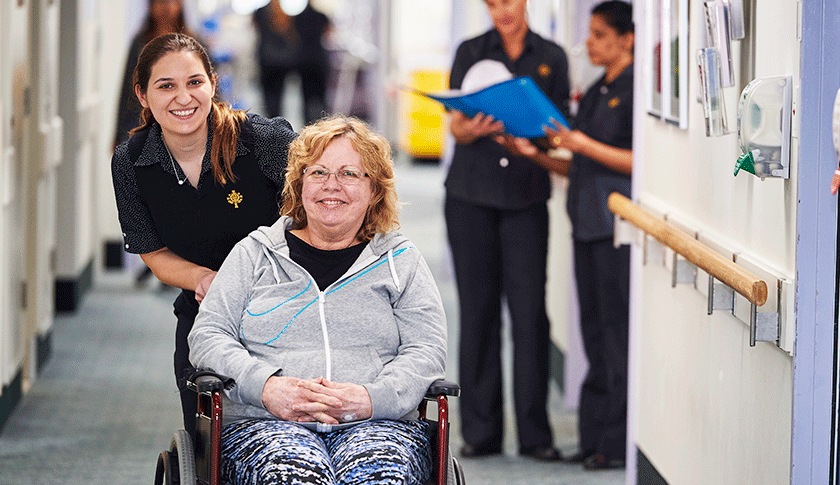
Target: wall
[(44, 136), (705, 406), (53, 152), (30, 151), (81, 106), (124, 18), (14, 78)]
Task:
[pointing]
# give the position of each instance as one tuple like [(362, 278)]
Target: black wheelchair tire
[(459, 472), (160, 470), (182, 448)]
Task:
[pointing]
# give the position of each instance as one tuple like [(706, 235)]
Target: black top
[(606, 115), (128, 110), (325, 266), (301, 45), (483, 172), (311, 26), (199, 224)]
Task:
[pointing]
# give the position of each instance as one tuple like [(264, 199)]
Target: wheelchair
[(187, 462)]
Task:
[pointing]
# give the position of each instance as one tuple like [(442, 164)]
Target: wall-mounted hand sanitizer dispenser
[(764, 114)]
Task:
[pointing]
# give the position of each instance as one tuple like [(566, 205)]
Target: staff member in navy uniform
[(497, 224), (195, 178), (601, 164)]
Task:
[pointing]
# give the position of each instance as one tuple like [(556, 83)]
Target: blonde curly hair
[(375, 153)]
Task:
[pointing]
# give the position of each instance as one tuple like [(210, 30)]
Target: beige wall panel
[(14, 79), (115, 49), (711, 409), (708, 407)]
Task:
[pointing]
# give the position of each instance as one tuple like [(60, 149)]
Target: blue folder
[(519, 103)]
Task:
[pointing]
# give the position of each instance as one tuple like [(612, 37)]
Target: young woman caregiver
[(602, 162), (195, 178)]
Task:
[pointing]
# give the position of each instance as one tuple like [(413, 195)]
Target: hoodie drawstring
[(393, 269), (273, 263)]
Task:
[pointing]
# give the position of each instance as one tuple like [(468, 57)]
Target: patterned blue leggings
[(258, 451)]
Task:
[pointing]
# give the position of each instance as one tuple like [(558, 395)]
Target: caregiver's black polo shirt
[(200, 224)]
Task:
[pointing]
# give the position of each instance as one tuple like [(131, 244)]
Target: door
[(14, 85), (815, 410)]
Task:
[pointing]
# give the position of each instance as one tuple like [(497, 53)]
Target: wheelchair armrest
[(442, 386), (205, 380)]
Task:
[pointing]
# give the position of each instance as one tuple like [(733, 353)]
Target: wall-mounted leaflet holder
[(764, 114), (737, 29), (708, 62), (718, 35)]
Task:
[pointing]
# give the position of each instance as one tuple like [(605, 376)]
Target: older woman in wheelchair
[(330, 324)]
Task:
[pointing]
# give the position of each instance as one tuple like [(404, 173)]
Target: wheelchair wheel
[(458, 472), (454, 472), (177, 465)]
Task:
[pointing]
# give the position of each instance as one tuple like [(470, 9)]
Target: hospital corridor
[(629, 210)]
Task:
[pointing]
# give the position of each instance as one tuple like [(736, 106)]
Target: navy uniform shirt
[(483, 172), (200, 224), (606, 115)]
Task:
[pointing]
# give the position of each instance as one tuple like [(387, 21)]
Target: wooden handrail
[(736, 277)]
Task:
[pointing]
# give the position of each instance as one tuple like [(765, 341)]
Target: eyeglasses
[(345, 176)]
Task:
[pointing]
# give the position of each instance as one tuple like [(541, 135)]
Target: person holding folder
[(497, 226), (602, 162)]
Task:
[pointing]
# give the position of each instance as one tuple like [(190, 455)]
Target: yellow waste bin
[(425, 121)]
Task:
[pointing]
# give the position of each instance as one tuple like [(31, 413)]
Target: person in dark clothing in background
[(497, 226), (164, 17), (289, 44)]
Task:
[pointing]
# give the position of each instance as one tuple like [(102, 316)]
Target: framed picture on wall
[(667, 63)]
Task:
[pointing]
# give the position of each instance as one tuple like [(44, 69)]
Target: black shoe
[(601, 462), (542, 453), (579, 457), (470, 451)]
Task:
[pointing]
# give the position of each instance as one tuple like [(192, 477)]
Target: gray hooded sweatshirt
[(380, 325)]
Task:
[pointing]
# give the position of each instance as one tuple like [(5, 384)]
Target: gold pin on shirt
[(613, 102), (234, 198)]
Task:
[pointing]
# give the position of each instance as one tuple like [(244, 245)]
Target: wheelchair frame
[(200, 462)]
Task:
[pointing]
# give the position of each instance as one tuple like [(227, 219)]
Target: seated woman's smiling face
[(334, 207)]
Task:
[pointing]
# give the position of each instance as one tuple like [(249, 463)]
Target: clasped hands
[(311, 400)]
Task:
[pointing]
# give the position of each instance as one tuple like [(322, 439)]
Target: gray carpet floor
[(105, 404)]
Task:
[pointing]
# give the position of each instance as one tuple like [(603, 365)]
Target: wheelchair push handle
[(205, 381), (443, 387)]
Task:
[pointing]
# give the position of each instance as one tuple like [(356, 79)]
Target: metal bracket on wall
[(652, 250), (737, 283), (720, 296), (764, 326), (683, 272)]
